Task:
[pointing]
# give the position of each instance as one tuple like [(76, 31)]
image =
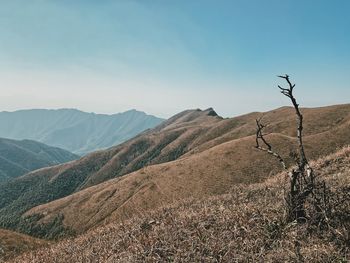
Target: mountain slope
[(192, 154), (74, 130), (20, 157), (12, 243), (244, 225)]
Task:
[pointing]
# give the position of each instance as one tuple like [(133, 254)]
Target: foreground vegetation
[(12, 243), (246, 225)]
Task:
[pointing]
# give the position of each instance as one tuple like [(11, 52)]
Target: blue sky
[(163, 56)]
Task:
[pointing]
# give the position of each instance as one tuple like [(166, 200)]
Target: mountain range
[(20, 157), (195, 154), (73, 130)]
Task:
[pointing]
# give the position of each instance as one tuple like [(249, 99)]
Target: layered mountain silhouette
[(74, 130), (20, 157), (193, 154)]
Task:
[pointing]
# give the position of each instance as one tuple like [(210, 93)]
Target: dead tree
[(301, 178)]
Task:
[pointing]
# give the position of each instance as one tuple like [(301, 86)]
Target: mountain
[(193, 154), (20, 157), (244, 225), (76, 131)]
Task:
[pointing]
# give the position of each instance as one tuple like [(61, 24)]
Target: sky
[(165, 56)]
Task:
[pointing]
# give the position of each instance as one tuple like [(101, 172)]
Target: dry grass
[(12, 243), (245, 225), (200, 175)]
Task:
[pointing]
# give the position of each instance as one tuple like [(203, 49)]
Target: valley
[(20, 157)]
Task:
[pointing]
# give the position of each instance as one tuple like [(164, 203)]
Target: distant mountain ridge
[(76, 131), (20, 157)]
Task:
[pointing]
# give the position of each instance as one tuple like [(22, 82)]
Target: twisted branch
[(302, 179), (260, 136), (288, 92)]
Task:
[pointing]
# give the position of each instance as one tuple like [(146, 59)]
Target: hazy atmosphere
[(162, 57)]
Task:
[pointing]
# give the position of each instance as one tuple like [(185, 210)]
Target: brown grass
[(12, 243), (245, 225), (210, 172)]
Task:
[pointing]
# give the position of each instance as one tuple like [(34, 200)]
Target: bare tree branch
[(302, 179), (288, 92), (260, 136)]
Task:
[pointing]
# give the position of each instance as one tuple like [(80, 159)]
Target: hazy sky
[(164, 56)]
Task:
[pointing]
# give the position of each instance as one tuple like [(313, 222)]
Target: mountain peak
[(211, 112)]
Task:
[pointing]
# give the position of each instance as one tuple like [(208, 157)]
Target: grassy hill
[(76, 131), (194, 154), (20, 157), (12, 243), (244, 225)]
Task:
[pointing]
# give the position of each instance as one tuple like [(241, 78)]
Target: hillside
[(244, 225), (12, 243), (20, 157), (194, 154), (74, 130)]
